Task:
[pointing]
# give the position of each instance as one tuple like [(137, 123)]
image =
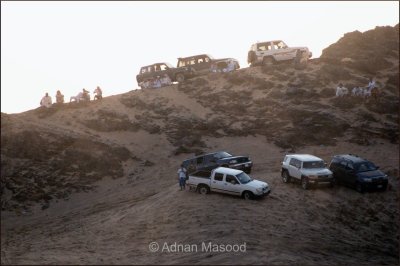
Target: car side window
[(343, 164), (231, 179), (164, 67), (218, 176), (199, 160), (296, 163), (350, 166), (207, 59)]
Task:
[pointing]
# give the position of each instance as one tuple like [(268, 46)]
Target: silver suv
[(270, 52), (309, 169)]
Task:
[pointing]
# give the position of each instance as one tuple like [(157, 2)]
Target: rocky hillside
[(95, 183), (47, 154)]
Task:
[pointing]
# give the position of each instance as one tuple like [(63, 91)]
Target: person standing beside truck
[(182, 177)]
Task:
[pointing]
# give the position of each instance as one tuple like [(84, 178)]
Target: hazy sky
[(47, 46)]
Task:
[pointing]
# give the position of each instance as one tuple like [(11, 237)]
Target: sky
[(49, 46)]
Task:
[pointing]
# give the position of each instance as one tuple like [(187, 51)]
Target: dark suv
[(357, 172), (213, 160), (204, 63), (151, 72)]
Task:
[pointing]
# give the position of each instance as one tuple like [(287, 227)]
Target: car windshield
[(222, 154), (169, 65), (365, 166), (314, 164), (243, 178)]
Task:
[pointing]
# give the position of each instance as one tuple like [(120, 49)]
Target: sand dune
[(96, 183)]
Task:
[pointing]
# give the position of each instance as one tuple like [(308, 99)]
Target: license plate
[(379, 186)]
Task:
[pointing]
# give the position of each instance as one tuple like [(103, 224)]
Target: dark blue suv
[(354, 171), (213, 160)]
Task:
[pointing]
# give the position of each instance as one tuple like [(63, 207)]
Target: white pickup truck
[(227, 180)]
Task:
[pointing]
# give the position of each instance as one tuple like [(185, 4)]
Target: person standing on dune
[(182, 177)]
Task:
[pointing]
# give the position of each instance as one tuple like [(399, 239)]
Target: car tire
[(203, 190), (304, 183), (247, 195), (268, 61), (285, 177), (359, 187), (180, 77)]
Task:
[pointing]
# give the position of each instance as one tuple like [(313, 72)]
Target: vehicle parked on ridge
[(309, 169), (158, 70), (204, 63), (271, 52), (213, 160), (354, 171), (227, 180)]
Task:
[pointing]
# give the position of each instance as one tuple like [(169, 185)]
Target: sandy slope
[(116, 223), (99, 179)]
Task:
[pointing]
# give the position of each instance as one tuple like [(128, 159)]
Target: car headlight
[(232, 161), (385, 177), (367, 179)]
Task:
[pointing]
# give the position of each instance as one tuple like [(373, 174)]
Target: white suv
[(307, 168), (268, 53)]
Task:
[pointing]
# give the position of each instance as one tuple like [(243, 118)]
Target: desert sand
[(96, 183)]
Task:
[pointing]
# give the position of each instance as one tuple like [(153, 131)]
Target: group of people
[(364, 92), (84, 95), (156, 83)]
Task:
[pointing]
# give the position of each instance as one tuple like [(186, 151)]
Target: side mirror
[(233, 182)]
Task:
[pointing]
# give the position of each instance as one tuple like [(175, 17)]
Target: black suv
[(213, 160), (204, 63), (148, 73), (357, 172)]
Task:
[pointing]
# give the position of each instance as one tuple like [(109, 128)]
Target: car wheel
[(304, 183), (359, 187), (268, 61), (180, 77), (285, 177), (204, 190), (247, 195)]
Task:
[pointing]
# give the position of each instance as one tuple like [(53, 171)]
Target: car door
[(351, 176), (232, 185), (209, 163), (263, 49), (341, 172), (217, 184), (283, 53), (294, 168), (202, 66), (200, 163)]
